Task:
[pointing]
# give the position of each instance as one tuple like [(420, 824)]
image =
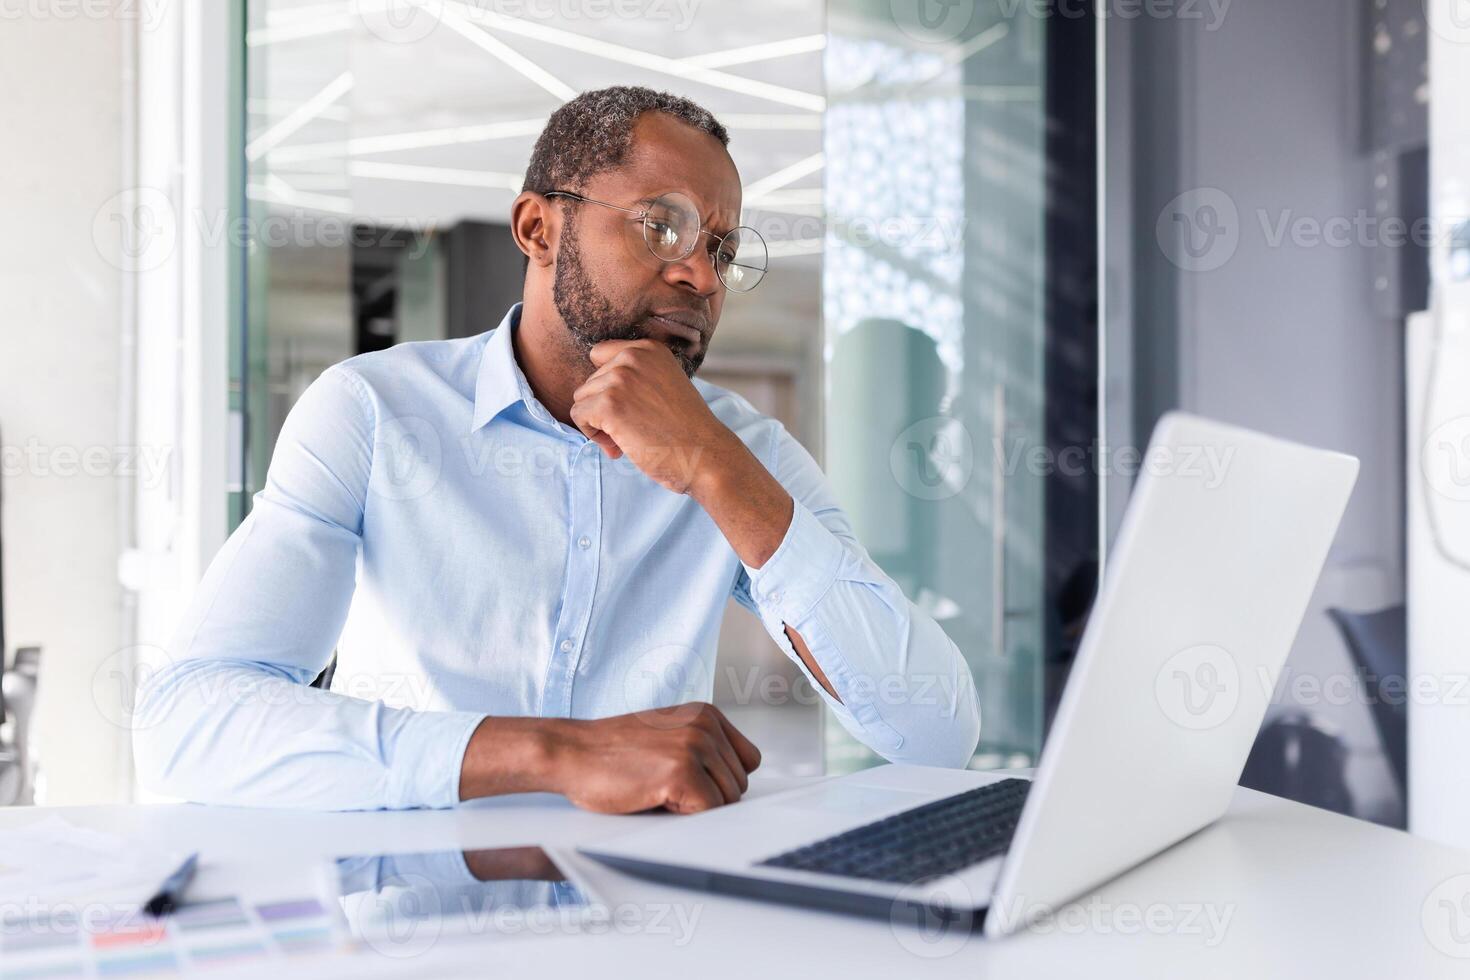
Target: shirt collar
[(501, 382)]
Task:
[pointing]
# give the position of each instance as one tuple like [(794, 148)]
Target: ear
[(535, 223)]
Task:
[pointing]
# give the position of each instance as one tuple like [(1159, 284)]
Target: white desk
[(1308, 894)]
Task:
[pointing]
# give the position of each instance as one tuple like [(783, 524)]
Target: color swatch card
[(218, 936)]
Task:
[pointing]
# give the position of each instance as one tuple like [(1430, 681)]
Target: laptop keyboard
[(926, 842)]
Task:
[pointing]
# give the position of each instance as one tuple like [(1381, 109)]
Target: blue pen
[(171, 892)]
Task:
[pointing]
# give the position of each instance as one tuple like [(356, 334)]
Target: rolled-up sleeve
[(230, 717), (906, 691)]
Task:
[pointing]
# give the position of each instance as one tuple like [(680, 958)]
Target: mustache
[(697, 317)]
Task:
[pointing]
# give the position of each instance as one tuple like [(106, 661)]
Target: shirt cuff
[(800, 572), (428, 758)]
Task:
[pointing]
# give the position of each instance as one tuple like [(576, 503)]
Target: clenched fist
[(683, 759)]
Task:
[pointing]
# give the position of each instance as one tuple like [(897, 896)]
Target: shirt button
[(776, 597), (584, 542), (566, 646)]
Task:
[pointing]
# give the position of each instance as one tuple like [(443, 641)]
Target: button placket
[(584, 526)]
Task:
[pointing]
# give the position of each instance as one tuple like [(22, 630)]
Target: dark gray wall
[(483, 276), (1260, 117)]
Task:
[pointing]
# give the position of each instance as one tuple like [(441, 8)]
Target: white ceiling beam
[(507, 55), (299, 117), (803, 200), (636, 58), (276, 191), (805, 122), (510, 129), (786, 175), (417, 140), (271, 107), (373, 170), (757, 52)]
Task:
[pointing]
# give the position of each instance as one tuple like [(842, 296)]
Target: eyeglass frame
[(642, 215)]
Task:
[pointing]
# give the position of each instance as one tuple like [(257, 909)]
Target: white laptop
[(1200, 602)]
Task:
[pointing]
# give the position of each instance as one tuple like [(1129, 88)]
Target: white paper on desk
[(52, 861)]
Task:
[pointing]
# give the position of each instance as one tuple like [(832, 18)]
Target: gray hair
[(592, 133)]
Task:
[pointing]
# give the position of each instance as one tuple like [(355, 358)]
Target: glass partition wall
[(957, 367), (925, 330), (299, 259)]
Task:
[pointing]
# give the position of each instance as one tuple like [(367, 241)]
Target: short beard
[(589, 315)]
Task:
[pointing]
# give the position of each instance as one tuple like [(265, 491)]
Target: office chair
[(3, 647), (12, 769), (324, 679), (1299, 758), (17, 707), (4, 760), (1379, 645)]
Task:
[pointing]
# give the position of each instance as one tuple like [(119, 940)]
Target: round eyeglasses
[(671, 230)]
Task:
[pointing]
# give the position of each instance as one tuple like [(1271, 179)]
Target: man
[(521, 542)]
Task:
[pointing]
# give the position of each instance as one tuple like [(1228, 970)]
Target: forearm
[(749, 505), (511, 755), (753, 511)]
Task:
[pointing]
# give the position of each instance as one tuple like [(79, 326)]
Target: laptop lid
[(1217, 557)]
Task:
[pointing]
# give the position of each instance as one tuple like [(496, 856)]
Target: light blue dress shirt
[(467, 555)]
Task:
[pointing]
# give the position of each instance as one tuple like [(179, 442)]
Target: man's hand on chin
[(639, 403)]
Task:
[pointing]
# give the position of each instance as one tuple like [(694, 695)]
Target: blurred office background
[(977, 280)]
